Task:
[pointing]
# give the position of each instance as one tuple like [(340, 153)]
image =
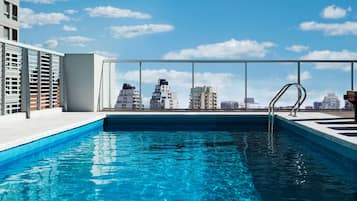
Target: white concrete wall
[(82, 77), (9, 22)]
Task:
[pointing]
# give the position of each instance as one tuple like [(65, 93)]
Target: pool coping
[(309, 125)]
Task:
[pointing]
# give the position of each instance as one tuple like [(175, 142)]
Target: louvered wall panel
[(34, 79), (12, 65), (1, 77), (56, 81), (45, 65)]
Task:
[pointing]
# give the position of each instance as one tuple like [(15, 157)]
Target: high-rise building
[(203, 98), (162, 97), (129, 98), (229, 105), (330, 101), (9, 20)]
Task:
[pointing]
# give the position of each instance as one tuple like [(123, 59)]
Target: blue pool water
[(161, 163)]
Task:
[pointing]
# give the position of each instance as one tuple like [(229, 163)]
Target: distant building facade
[(317, 105), (9, 20), (163, 97), (229, 105), (129, 98), (203, 98), (330, 101), (348, 105), (249, 100)]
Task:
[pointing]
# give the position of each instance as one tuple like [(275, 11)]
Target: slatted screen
[(45, 88), (34, 79), (12, 65), (44, 79)]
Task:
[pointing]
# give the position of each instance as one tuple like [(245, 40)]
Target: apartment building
[(129, 98), (203, 98), (9, 20), (162, 97)]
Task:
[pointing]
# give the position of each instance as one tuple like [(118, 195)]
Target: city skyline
[(329, 101)]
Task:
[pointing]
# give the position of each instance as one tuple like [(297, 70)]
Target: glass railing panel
[(218, 86), (326, 85)]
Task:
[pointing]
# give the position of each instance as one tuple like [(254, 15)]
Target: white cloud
[(331, 55), (227, 50), (335, 12), (52, 43), (109, 55), (113, 12), (138, 30), (80, 41), (297, 48), (305, 75), (40, 1), (69, 28), (29, 18), (70, 11), (332, 29)]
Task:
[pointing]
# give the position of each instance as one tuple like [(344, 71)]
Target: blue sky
[(210, 29)]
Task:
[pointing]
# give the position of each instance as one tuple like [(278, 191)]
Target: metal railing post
[(25, 84), (110, 85), (193, 84), (100, 98), (39, 80), (298, 73), (140, 82), (352, 76), (245, 85), (51, 81)]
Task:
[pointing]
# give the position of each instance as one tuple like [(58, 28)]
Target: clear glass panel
[(166, 86), (127, 86), (326, 85), (266, 79), (219, 86)]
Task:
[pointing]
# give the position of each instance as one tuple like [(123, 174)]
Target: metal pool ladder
[(295, 108)]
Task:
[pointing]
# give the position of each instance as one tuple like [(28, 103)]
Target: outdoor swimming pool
[(208, 158)]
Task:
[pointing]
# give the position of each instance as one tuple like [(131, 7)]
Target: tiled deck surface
[(15, 130), (325, 123)]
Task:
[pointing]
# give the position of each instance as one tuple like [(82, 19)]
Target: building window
[(14, 35), (7, 9), (14, 12), (7, 33)]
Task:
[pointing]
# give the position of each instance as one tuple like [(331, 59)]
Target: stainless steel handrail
[(296, 107)]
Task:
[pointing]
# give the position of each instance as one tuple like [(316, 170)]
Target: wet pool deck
[(15, 130)]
